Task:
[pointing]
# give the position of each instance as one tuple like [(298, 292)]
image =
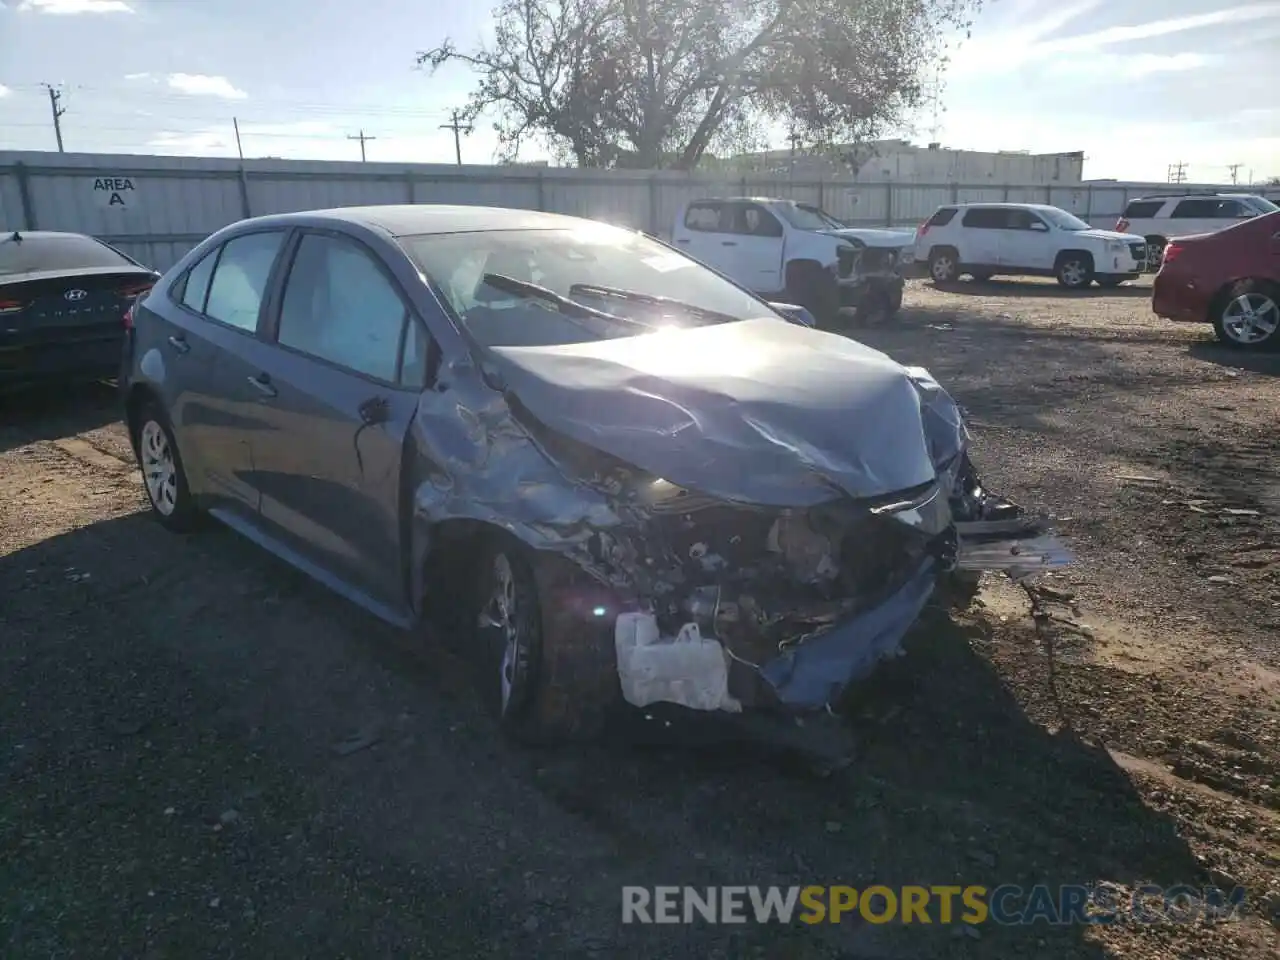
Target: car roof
[(6, 234), (408, 219), (743, 200), (1003, 206), (1195, 196)]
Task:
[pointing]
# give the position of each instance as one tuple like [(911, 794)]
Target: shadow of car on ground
[(190, 669), (53, 411), (1000, 287)]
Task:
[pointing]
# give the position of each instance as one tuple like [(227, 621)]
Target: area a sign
[(115, 193)]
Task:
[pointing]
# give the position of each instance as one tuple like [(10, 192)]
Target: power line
[(362, 138), (1178, 172), (458, 129), (1235, 172)]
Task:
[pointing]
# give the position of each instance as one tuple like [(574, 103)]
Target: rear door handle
[(683, 240), (728, 243), (262, 383), (180, 344)]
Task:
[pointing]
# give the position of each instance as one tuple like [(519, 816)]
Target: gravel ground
[(205, 755)]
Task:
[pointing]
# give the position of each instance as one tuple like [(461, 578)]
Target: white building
[(900, 161)]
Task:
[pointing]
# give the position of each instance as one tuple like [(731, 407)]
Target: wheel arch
[(139, 395), (1076, 252), (1220, 296)]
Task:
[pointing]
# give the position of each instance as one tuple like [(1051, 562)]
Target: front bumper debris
[(1019, 547)]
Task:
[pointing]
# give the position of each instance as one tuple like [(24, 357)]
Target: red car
[(1230, 278)]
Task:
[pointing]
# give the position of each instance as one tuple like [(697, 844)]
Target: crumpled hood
[(873, 237), (756, 411)]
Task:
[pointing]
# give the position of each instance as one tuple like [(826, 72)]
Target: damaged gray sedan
[(614, 476)]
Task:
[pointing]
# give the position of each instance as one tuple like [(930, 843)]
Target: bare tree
[(660, 82)]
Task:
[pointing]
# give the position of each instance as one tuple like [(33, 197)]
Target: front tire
[(1248, 316), (1074, 271), (813, 288), (546, 675), (164, 479)]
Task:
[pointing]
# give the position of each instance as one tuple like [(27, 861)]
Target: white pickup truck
[(783, 250)]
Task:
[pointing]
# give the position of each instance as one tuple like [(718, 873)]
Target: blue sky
[(1137, 86)]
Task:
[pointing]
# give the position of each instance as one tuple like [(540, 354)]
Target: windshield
[(804, 217), (1063, 220), (535, 277), (37, 252), (1262, 204)]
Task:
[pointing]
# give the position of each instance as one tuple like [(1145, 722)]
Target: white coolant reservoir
[(688, 669)]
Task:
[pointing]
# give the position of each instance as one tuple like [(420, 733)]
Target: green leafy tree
[(659, 83)]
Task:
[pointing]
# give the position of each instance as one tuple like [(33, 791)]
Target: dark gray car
[(63, 302), (618, 477)]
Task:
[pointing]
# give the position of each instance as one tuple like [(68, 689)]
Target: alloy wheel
[(1073, 273), (942, 268), (1251, 318)]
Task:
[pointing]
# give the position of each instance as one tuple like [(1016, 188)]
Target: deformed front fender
[(471, 461)]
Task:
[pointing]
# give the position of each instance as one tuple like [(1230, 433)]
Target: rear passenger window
[(196, 284), (704, 217), (1196, 210), (240, 279), (340, 307), (1142, 209), (986, 218), (942, 217)]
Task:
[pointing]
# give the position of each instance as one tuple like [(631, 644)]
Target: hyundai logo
[(76, 295)]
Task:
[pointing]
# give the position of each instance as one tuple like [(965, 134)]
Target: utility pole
[(56, 107), (459, 129), (239, 149), (362, 138), (1235, 171), (794, 139), (1178, 172)]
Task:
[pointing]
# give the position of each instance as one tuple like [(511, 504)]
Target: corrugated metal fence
[(157, 208)]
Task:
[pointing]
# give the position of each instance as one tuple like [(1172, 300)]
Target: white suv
[(1161, 219), (1025, 239)]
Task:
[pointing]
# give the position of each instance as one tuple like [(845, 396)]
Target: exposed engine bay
[(730, 587)]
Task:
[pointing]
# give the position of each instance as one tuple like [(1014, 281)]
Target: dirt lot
[(204, 755)]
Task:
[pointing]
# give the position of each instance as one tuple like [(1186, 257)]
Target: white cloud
[(1040, 42), (1162, 28), (1145, 64), (4, 91), (138, 76), (201, 85), (72, 7)]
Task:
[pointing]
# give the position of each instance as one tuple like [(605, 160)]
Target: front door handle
[(683, 241), (728, 243), (180, 344), (262, 383)]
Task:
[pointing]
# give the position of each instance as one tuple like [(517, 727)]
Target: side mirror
[(794, 313)]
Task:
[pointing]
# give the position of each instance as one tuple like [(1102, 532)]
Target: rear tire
[(1247, 316), (944, 265), (164, 479), (1074, 270), (813, 288)]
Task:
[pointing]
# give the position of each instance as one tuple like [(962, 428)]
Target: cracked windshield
[(657, 479)]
